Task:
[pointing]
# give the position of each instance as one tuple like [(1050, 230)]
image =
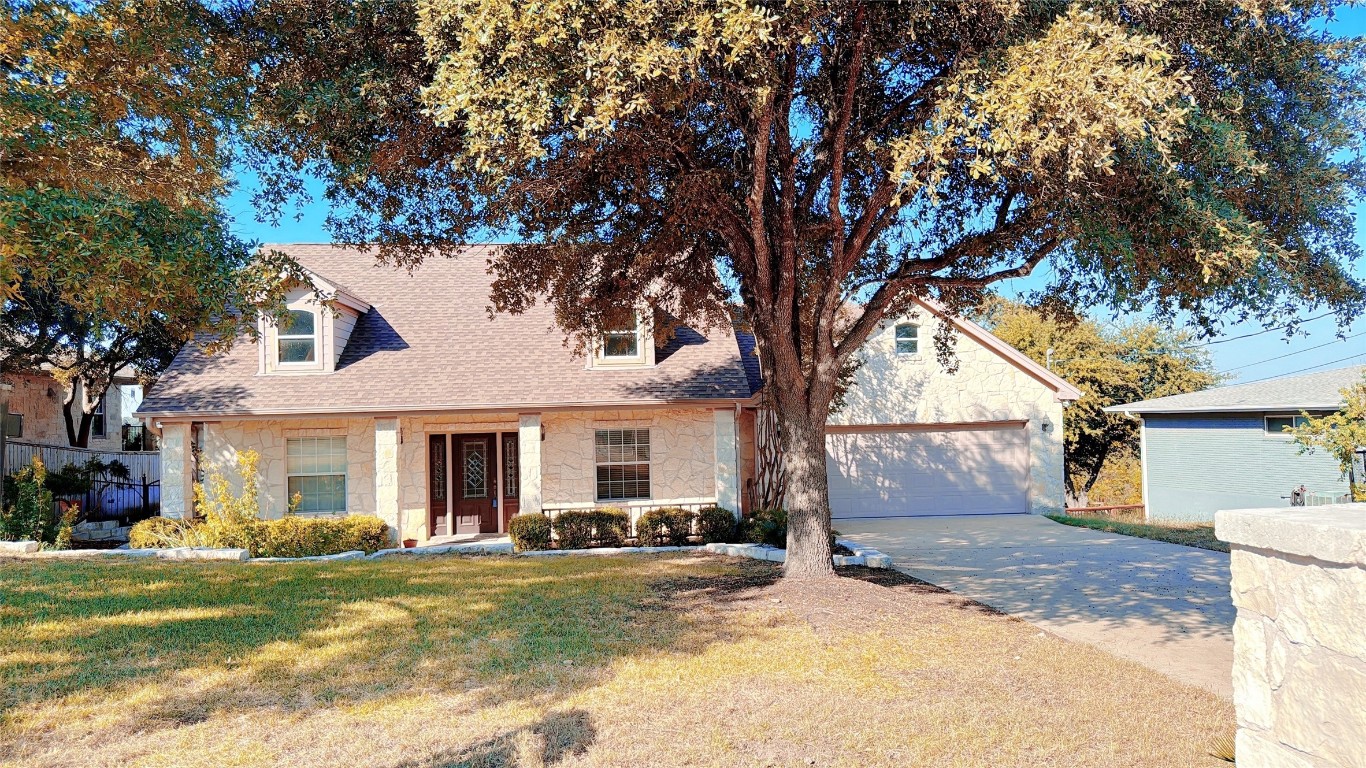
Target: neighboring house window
[(1276, 425), (97, 422), (14, 425), (298, 337), (907, 339), (623, 463), (316, 471), (622, 343)]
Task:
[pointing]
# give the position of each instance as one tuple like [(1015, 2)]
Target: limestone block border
[(864, 556), (176, 553)]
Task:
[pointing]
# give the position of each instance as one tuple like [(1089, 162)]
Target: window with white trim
[(622, 343), (98, 427), (623, 463), (298, 338), (1276, 425), (315, 468), (907, 339)]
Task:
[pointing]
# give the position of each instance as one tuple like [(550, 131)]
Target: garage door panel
[(950, 472)]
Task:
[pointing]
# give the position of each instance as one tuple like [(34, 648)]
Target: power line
[(1305, 370), (1297, 352), (1257, 333)]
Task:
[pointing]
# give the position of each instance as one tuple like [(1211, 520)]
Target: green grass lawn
[(496, 661), (1190, 534)]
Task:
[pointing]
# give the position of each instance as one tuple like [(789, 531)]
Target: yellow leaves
[(1068, 98), (511, 74)]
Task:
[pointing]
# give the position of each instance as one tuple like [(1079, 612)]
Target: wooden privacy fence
[(109, 498)]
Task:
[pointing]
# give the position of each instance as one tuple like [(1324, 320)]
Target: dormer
[(631, 344), (313, 333)]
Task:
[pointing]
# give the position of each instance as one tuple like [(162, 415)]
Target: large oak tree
[(826, 163)]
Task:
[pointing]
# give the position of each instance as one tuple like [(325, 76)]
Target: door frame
[(499, 484)]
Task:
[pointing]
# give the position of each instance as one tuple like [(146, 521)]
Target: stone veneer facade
[(1299, 666), (38, 398), (915, 389), (694, 457)]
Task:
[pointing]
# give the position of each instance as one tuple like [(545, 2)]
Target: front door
[(476, 483)]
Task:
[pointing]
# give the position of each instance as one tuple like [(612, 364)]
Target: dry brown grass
[(686, 660)]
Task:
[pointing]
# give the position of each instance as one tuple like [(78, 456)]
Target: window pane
[(620, 344), (299, 323), (319, 493), (907, 339), (296, 350), (1276, 424)]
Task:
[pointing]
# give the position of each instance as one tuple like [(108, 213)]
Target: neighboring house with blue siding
[(1226, 448)]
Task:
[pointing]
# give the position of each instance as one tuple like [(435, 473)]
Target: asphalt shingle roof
[(1312, 391), (428, 343)]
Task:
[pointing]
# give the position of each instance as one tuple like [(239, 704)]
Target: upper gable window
[(298, 338), (907, 339), (624, 345), (624, 342)]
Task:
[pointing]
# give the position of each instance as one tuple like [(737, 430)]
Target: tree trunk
[(77, 432), (808, 500)]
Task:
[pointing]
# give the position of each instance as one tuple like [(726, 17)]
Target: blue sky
[(1247, 351)]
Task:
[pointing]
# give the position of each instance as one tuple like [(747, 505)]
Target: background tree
[(1110, 366), (825, 163), (114, 249), (1340, 435)]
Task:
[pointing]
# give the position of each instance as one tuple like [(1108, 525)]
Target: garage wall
[(915, 389)]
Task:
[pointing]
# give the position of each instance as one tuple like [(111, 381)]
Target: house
[(1226, 447), (406, 400), (35, 411)]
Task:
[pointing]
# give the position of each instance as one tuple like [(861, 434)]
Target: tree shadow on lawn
[(182, 643)]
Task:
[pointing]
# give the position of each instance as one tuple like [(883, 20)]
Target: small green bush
[(715, 524), (581, 529), (574, 529), (68, 521), (765, 526), (611, 526), (530, 531), (667, 526)]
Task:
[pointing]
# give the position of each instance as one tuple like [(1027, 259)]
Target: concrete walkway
[(1162, 605)]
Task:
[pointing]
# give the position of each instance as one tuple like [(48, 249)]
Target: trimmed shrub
[(667, 526), (295, 536), (611, 526), (290, 536), (574, 529), (715, 524), (765, 526), (530, 531)]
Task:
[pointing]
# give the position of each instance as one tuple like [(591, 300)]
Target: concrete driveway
[(1162, 605)]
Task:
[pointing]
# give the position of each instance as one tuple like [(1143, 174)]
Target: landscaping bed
[(1189, 534), (681, 659)]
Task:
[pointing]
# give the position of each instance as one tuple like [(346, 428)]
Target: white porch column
[(727, 462), (177, 470), (386, 474), (529, 461)]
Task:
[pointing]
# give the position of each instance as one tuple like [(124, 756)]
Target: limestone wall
[(38, 398), (221, 441), (892, 388), (682, 454), (1299, 667)]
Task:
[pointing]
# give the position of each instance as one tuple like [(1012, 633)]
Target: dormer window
[(624, 344), (298, 338), (907, 339)]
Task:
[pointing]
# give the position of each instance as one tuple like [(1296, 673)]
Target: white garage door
[(971, 471)]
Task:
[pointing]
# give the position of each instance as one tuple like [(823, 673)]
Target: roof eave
[(1139, 408), (419, 410)]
